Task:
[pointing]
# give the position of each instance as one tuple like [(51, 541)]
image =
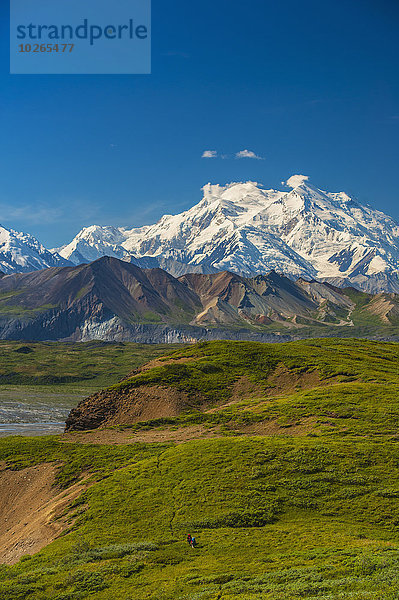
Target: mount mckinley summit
[(245, 229)]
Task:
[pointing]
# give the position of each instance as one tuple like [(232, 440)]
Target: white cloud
[(295, 180), (241, 154), (248, 154)]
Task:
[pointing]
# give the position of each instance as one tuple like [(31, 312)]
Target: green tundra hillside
[(282, 460), (330, 386)]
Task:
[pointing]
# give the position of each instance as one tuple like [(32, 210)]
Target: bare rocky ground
[(32, 510)]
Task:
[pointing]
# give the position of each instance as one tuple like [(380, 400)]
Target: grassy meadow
[(85, 366), (51, 378), (308, 511)]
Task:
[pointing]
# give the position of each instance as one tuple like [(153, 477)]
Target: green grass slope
[(353, 385), (313, 515), (87, 365)]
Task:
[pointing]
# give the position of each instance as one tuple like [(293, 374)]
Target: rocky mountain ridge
[(110, 299)]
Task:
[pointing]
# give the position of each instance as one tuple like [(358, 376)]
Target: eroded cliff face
[(68, 327), (126, 407)]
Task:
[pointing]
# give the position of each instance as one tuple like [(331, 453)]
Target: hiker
[(189, 539), (193, 542)]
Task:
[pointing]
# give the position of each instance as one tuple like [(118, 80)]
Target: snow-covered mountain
[(244, 228), (21, 253), (94, 242)]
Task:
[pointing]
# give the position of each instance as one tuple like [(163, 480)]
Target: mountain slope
[(90, 301), (246, 229), (261, 299), (233, 382), (85, 247), (286, 475), (110, 299), (21, 252)]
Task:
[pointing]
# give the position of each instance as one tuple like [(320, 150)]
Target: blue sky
[(312, 87)]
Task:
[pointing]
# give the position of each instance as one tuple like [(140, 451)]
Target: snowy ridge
[(242, 228), (94, 242), (21, 253), (247, 229)]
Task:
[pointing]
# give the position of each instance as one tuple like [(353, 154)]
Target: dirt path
[(126, 436), (30, 510), (270, 427)]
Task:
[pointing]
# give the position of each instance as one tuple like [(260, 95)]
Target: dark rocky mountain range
[(110, 299)]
